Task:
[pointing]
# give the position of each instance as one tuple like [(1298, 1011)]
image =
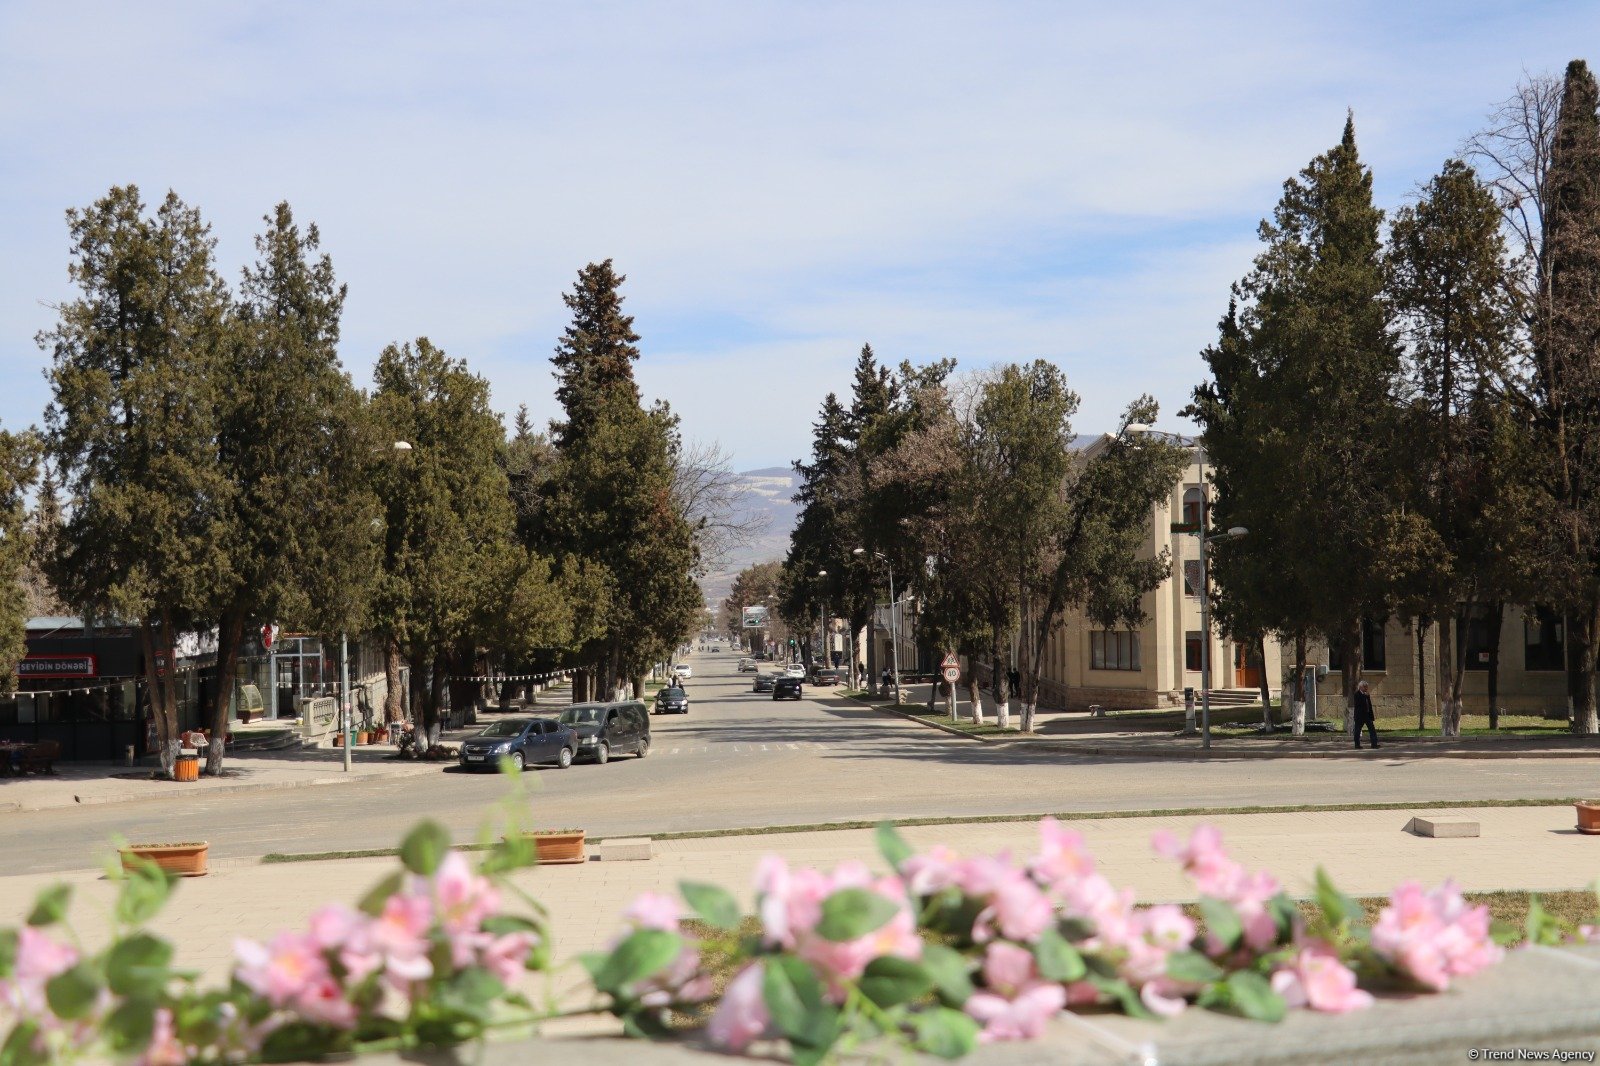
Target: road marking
[(674, 751)]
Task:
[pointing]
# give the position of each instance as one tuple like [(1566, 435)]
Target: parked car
[(684, 671), (786, 687), (746, 665), (672, 700), (525, 741), (827, 675), (764, 682), (795, 670), (607, 729)]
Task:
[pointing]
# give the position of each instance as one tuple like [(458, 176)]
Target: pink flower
[(1016, 907), (38, 960), (395, 942), (164, 1048), (932, 871), (1317, 979), (332, 925), (464, 899), (1164, 996), (1062, 858), (1007, 967), (654, 910), (507, 956), (742, 1015), (322, 1001), (1023, 1017), (1166, 925), (790, 905), (285, 967), (1434, 936)]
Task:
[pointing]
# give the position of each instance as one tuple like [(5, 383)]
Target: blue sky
[(780, 182)]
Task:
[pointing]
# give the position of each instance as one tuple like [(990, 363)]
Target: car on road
[(525, 741), (607, 729), (764, 682), (746, 665), (672, 700), (827, 675), (684, 671), (786, 688), (795, 670)]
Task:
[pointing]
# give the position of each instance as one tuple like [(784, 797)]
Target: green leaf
[(1251, 995), (130, 1025), (1284, 915), (1192, 967), (1336, 907), (948, 1034), (892, 846), (793, 996), (138, 963), (8, 951), (1504, 933), (72, 993), (1058, 960), (373, 902), (714, 905), (144, 893), (852, 913), (1221, 921), (644, 953), (889, 981), (50, 906), (19, 1048), (1122, 993), (950, 972), (424, 848)]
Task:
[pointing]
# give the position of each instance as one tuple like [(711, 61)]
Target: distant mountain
[(767, 493)]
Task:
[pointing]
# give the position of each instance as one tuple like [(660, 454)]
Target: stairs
[(1235, 697)]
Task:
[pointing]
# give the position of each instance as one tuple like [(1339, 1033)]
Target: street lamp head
[(1237, 531), (858, 551), (1139, 427), (822, 573), (402, 446)]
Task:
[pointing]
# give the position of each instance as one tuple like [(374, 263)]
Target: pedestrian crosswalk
[(664, 746)]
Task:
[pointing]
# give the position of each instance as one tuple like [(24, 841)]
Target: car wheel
[(644, 747), (602, 754), (518, 761), (564, 760)]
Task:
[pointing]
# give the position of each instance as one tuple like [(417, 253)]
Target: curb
[(1201, 755), (243, 786)]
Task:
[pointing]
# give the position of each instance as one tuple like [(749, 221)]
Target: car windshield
[(673, 693), (504, 729), (583, 715)]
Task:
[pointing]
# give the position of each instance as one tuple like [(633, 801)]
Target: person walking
[(1364, 715)]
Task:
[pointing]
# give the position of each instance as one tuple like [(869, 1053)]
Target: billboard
[(755, 617)]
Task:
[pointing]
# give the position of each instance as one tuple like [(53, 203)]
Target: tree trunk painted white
[(1002, 711), (1299, 718), (1028, 708), (976, 696)]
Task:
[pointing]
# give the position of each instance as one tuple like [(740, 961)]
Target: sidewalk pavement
[(1366, 852)]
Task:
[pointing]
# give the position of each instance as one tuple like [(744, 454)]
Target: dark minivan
[(607, 729), (525, 741)]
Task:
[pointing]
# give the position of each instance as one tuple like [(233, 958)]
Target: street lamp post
[(894, 624), (1206, 538), (827, 652)]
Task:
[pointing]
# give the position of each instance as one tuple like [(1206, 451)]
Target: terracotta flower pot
[(186, 768), (364, 737), (1589, 817), (558, 848), (185, 860), (338, 740)]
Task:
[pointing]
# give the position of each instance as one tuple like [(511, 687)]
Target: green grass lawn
[(1401, 727), (965, 724)]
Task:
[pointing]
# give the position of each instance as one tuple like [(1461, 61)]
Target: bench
[(41, 758)]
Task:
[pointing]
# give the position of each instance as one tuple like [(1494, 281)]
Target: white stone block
[(624, 849), (1432, 827)]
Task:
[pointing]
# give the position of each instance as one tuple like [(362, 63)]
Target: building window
[(1193, 503), (1113, 650), (1191, 651), (1191, 578), (1477, 638), (1374, 656), (1543, 639)]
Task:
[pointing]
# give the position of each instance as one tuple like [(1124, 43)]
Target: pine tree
[(1566, 338), (19, 465), (1300, 417), (132, 428), (293, 443), (597, 350)]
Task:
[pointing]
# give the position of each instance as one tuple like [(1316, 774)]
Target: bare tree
[(712, 498)]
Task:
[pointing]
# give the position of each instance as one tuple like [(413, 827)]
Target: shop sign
[(58, 666)]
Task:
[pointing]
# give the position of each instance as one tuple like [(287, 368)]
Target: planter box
[(186, 860), (1589, 817), (556, 849)]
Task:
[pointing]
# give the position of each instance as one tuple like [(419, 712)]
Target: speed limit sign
[(952, 674)]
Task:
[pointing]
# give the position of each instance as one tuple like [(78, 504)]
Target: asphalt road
[(739, 759)]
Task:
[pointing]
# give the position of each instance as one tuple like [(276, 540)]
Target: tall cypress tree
[(1566, 339), (1301, 416), (597, 350), (19, 465)]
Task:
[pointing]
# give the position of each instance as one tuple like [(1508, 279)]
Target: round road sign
[(952, 674)]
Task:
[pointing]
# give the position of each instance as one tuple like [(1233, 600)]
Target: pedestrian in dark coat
[(1364, 715)]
